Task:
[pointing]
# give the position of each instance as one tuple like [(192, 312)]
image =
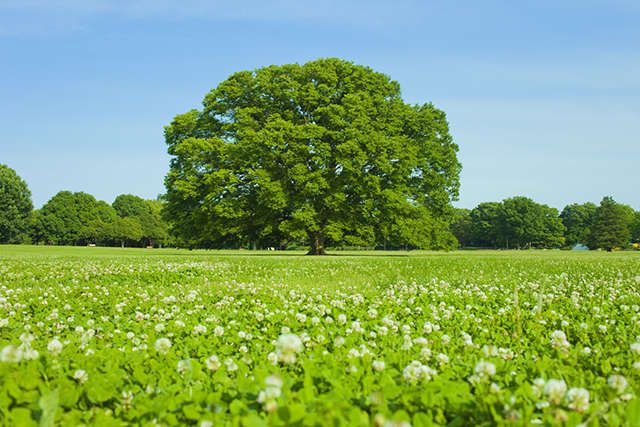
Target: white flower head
[(617, 382), (55, 347), (555, 390), (163, 345), (81, 376), (213, 363), (11, 354), (578, 399)]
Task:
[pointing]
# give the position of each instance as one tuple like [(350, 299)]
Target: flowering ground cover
[(117, 338)]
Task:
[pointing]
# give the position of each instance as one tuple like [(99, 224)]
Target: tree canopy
[(577, 219), (62, 220), (610, 226), (324, 150), (15, 206)]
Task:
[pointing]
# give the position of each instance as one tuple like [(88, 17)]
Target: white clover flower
[(443, 359), (578, 399), (584, 326), (273, 358), (159, 327), (342, 319), (378, 365), (416, 371), (603, 328), (231, 365), (421, 341), (183, 366), (213, 363), (427, 328), (163, 345), (425, 353), (617, 382), (288, 346), (446, 339), (586, 350), (338, 341), (494, 388), (11, 354), (200, 329), (636, 366), (273, 381), (490, 350), (555, 390), (635, 347), (81, 376), (218, 331), (30, 353), (55, 347), (485, 370), (5, 322)]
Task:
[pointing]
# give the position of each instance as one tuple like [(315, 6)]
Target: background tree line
[(519, 222), (77, 218), (70, 218)]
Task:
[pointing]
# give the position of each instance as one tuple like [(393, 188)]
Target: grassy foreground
[(111, 336)]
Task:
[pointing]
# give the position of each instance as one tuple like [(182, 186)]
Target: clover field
[(106, 337)]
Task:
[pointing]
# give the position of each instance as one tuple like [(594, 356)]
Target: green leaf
[(420, 419), (21, 417), (253, 421), (632, 411)]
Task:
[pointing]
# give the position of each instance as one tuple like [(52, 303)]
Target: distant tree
[(485, 226), (328, 149), (63, 217), (523, 221), (96, 230), (552, 232), (461, 227), (577, 219), (128, 205), (154, 228), (634, 227), (15, 206), (125, 229), (610, 227)]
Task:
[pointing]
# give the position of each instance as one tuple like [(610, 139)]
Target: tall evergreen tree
[(610, 227)]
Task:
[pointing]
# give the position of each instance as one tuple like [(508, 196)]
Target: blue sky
[(543, 97)]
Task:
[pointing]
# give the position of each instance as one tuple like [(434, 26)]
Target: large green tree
[(523, 221), (15, 206), (327, 149), (62, 219), (577, 219), (485, 228), (610, 226)]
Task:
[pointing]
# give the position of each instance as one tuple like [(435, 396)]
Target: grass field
[(112, 336)]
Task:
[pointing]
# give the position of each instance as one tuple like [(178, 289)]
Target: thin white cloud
[(47, 16)]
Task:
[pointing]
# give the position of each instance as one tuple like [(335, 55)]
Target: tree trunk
[(316, 244)]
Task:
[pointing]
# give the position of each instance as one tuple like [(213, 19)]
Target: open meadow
[(120, 337)]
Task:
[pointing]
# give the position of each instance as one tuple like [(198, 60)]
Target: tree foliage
[(610, 226), (577, 219), (515, 222), (328, 150), (63, 218), (128, 205), (15, 206)]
